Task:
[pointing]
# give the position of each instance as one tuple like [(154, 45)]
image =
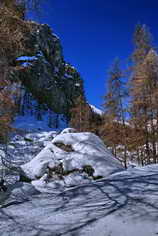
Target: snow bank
[(73, 152)]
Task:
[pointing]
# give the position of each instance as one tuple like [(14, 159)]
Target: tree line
[(129, 126)]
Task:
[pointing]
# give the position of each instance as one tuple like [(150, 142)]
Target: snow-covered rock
[(88, 150), (36, 168), (73, 152), (68, 130)]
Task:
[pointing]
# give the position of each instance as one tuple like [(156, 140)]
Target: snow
[(76, 179), (124, 204), (55, 35), (77, 85), (87, 149), (68, 76), (26, 58), (29, 122), (2, 155), (26, 64), (17, 193), (37, 166), (68, 130), (96, 110), (24, 146)]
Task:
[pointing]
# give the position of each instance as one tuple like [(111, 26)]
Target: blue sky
[(94, 32)]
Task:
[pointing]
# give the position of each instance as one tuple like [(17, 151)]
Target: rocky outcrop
[(42, 71)]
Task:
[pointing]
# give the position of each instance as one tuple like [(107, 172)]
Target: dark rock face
[(41, 69)]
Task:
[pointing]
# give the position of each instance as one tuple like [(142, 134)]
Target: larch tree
[(115, 112), (140, 88), (81, 115), (143, 43), (150, 68), (145, 103)]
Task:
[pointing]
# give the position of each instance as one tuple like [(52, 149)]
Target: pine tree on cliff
[(115, 112), (140, 88)]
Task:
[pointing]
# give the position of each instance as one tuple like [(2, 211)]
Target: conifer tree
[(81, 115), (145, 103), (143, 43), (115, 112), (141, 87)]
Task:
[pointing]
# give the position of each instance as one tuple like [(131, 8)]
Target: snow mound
[(96, 110), (74, 158)]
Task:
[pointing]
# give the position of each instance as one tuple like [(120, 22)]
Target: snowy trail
[(126, 204)]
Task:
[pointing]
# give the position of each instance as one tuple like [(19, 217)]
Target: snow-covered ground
[(30, 123), (122, 203)]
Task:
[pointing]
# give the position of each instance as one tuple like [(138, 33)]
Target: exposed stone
[(44, 73), (67, 148)]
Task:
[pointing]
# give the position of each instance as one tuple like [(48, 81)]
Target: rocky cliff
[(42, 73)]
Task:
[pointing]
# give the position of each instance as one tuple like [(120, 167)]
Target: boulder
[(88, 157)]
